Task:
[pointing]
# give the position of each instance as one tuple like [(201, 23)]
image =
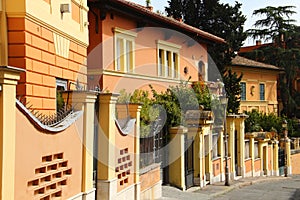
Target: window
[(168, 59), (243, 91), (124, 50), (262, 91), (61, 85)]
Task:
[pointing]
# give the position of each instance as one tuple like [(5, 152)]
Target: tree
[(233, 90), (275, 25), (214, 17), (284, 51), (224, 21)]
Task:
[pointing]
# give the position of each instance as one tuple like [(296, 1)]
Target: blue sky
[(248, 6)]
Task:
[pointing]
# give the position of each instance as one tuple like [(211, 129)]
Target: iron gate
[(189, 162), (281, 161)]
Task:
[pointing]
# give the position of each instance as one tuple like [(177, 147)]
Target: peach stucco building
[(131, 46), (259, 85)]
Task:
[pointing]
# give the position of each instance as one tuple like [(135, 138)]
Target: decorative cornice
[(132, 75), (46, 25)]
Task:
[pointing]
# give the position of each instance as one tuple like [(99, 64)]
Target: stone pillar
[(252, 154), (85, 101), (230, 123), (208, 157), (271, 171), (107, 180), (222, 154), (241, 146), (9, 77), (176, 157), (199, 155), (202, 160), (275, 158), (134, 111), (196, 134), (288, 156)]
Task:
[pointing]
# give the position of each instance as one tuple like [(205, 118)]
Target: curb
[(244, 184)]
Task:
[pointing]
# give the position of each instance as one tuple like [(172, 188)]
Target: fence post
[(288, 156), (9, 77), (106, 180), (275, 158), (176, 157), (134, 111), (85, 101)]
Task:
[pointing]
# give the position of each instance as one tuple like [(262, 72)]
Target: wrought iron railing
[(49, 120)]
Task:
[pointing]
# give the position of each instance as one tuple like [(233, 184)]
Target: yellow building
[(259, 85)]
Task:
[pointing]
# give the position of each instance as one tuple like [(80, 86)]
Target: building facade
[(49, 40), (259, 85), (131, 46)]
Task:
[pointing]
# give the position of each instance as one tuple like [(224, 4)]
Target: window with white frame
[(124, 50), (168, 59)]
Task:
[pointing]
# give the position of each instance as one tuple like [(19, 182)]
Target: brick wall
[(33, 47)]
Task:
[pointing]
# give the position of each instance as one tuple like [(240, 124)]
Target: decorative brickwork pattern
[(124, 164), (50, 177)]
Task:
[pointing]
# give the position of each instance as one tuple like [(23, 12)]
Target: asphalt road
[(288, 189)]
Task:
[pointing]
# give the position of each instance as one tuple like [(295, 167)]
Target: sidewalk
[(211, 191)]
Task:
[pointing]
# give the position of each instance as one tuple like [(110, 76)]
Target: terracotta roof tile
[(149, 13), (241, 61)]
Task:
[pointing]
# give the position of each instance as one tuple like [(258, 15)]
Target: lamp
[(65, 8), (224, 102), (186, 70), (285, 131)]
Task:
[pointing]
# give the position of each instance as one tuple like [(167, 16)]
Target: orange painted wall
[(248, 165), (216, 166), (257, 163), (125, 159), (101, 55), (31, 47), (32, 145), (148, 179), (295, 162)]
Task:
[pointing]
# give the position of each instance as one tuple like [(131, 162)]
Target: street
[(256, 188), (288, 189)]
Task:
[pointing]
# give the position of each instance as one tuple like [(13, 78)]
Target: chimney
[(179, 19), (258, 42), (149, 8)]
